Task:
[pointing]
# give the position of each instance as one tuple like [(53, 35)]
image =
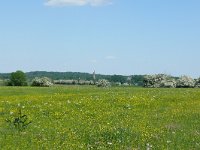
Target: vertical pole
[(94, 77)]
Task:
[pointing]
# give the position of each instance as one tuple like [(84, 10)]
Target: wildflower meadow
[(88, 117)]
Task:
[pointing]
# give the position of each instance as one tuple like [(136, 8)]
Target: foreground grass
[(82, 117)]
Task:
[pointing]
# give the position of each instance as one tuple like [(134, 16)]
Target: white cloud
[(77, 2), (110, 57)]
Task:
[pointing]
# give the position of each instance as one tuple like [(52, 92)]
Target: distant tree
[(137, 80), (129, 79), (118, 78), (18, 78)]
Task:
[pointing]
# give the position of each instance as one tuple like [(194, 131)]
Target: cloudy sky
[(110, 36)]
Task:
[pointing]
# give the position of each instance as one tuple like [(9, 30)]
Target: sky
[(110, 36)]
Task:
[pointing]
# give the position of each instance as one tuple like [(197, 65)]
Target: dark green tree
[(118, 78), (18, 78)]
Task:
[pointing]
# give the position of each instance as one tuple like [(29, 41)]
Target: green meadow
[(87, 117)]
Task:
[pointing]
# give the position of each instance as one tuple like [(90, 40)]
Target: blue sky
[(111, 36)]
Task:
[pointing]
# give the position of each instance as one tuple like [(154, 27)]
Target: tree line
[(19, 78), (132, 79)]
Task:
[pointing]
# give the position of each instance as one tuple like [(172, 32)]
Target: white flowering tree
[(159, 80), (185, 82), (103, 83), (42, 82), (197, 83)]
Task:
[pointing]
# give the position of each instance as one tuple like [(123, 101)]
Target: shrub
[(65, 82), (103, 83), (116, 83), (74, 82), (43, 82), (84, 82), (126, 84), (185, 82)]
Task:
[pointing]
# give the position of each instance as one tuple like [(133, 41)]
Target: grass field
[(83, 117)]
